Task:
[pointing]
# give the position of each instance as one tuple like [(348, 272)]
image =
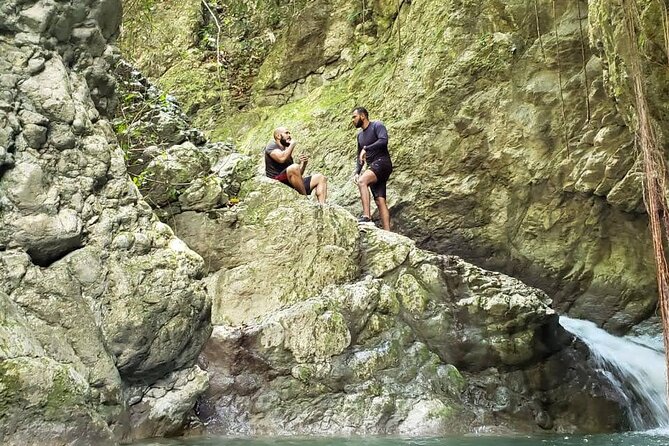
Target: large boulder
[(422, 344), (270, 250), (97, 295)]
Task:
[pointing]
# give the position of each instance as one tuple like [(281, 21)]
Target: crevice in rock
[(5, 167), (294, 84), (45, 259)]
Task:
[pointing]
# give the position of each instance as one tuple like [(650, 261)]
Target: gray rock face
[(321, 328), (511, 126), (421, 345), (99, 299)]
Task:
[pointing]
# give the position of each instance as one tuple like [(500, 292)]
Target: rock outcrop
[(420, 345), (511, 127), (323, 328), (511, 135), (103, 313)]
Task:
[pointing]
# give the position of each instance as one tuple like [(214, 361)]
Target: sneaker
[(364, 219)]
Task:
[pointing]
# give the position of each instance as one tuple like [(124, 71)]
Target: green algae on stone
[(414, 297)]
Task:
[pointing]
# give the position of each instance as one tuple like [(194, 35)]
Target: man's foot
[(364, 219)]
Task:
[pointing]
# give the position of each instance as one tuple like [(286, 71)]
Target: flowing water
[(637, 362), (635, 366)]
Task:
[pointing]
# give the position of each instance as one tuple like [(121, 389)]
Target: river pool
[(651, 438)]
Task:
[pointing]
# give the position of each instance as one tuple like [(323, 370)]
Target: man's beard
[(284, 142), (358, 123)]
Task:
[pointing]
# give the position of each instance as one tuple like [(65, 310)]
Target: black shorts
[(283, 177), (382, 168)]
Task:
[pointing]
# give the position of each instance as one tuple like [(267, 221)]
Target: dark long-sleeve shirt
[(375, 141)]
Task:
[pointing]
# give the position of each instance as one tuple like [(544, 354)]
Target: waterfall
[(641, 368)]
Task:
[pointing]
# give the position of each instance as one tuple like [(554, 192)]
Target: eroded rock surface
[(421, 344), (98, 296), (511, 127), (325, 328)]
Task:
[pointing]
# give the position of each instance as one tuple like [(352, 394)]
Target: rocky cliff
[(511, 132), (511, 123), (102, 311), (323, 327)]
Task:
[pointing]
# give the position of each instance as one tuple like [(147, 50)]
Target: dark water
[(658, 438)]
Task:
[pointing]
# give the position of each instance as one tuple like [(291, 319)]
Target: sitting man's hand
[(303, 158), (355, 178)]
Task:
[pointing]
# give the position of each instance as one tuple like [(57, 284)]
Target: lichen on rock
[(98, 295), (473, 96)]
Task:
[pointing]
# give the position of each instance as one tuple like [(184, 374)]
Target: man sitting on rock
[(279, 166)]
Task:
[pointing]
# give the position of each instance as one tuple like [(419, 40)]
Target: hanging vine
[(654, 169), (665, 28), (219, 58), (559, 70), (583, 61)]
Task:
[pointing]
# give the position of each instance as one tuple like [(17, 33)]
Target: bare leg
[(366, 179), (295, 178), (320, 184), (383, 212)]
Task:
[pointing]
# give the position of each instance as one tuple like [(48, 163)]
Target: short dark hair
[(361, 111)]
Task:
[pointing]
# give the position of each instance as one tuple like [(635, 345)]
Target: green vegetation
[(238, 34)]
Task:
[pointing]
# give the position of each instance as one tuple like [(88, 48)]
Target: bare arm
[(281, 156), (303, 162), (359, 160)]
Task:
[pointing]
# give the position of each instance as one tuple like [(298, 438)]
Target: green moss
[(443, 413), (303, 372), (374, 389), (197, 86), (331, 334), (388, 302), (455, 377), (63, 395), (514, 350), (385, 356), (48, 386), (414, 297), (156, 34)]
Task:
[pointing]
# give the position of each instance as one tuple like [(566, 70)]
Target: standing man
[(372, 149), (279, 166)]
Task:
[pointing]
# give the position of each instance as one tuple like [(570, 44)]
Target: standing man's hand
[(363, 156)]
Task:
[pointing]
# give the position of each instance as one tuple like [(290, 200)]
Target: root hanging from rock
[(654, 169)]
